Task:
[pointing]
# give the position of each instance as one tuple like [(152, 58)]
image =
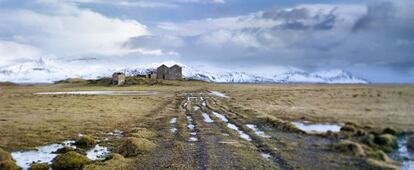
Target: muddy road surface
[(199, 131)]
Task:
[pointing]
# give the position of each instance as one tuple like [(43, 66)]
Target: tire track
[(265, 150)]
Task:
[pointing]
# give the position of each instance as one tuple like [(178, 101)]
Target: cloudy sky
[(372, 39)]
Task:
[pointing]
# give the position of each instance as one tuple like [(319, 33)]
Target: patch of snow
[(265, 155), (241, 133), (44, 154), (257, 131), (98, 153), (196, 108), (173, 130), (317, 128), (193, 139), (219, 94), (207, 118), (173, 120), (221, 117)]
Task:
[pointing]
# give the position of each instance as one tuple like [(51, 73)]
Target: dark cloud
[(378, 15)]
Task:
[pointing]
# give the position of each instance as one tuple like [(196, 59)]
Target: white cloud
[(64, 29), (11, 51)]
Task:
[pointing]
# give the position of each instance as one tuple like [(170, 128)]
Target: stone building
[(152, 74), (118, 79), (167, 73)]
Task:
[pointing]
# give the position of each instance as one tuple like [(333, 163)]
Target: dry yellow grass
[(374, 105), (28, 120)]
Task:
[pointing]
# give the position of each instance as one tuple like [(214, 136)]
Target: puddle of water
[(114, 93), (404, 155), (44, 154), (241, 133), (317, 128), (173, 120), (265, 155), (257, 131), (219, 94), (207, 118), (221, 117)]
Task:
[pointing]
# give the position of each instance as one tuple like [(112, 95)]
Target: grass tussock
[(142, 133), (380, 165), (67, 149), (85, 142), (7, 162), (114, 162), (387, 142), (38, 166), (4, 156), (349, 147), (281, 124), (135, 146), (9, 165), (70, 160)]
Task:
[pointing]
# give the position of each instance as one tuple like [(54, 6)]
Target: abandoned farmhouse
[(163, 72)]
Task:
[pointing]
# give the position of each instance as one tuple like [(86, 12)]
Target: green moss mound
[(349, 147), (37, 166), (386, 142), (70, 160), (9, 165), (67, 149), (135, 146), (348, 128), (85, 142), (410, 143), (390, 131), (115, 156), (4, 156)]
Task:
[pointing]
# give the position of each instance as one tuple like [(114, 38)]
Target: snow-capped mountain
[(48, 71)]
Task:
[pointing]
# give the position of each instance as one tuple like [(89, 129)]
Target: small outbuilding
[(151, 74), (118, 79)]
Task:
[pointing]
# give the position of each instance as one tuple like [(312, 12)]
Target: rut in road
[(213, 134)]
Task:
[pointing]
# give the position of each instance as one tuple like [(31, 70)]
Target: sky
[(373, 39)]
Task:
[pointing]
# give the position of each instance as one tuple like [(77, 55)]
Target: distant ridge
[(44, 71)]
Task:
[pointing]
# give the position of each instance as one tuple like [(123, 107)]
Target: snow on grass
[(317, 128), (207, 118), (257, 131), (219, 94), (241, 133), (45, 154), (221, 117), (173, 120)]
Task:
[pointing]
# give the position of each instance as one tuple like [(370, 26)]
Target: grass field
[(28, 120)]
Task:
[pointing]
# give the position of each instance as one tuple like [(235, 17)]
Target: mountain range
[(48, 71)]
